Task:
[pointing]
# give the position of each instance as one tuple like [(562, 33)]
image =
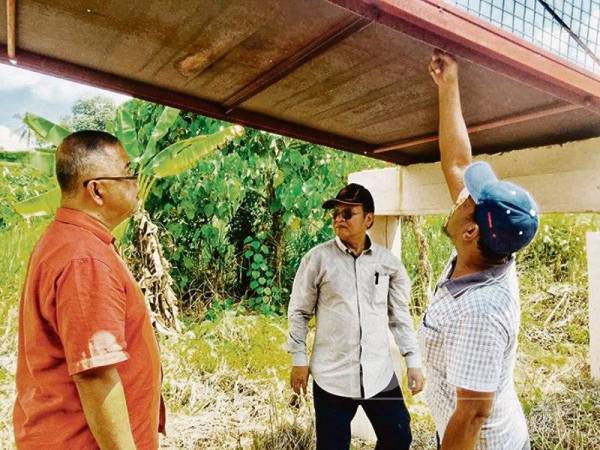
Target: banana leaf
[(119, 231), (124, 128), (165, 121), (41, 161), (45, 130), (184, 155), (44, 204)]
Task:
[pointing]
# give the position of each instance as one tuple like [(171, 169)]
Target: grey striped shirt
[(356, 301)]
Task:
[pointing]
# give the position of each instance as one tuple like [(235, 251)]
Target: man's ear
[(370, 218), (471, 231), (95, 191)]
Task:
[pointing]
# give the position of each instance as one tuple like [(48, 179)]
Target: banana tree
[(152, 163)]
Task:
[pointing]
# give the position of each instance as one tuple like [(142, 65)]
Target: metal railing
[(568, 28)]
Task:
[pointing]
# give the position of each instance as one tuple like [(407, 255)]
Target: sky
[(23, 91)]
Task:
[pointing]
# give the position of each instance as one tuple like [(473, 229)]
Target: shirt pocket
[(382, 287)]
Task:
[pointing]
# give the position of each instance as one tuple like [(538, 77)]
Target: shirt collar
[(85, 221), (457, 286), (345, 249)]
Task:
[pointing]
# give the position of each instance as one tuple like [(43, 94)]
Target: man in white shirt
[(358, 290)]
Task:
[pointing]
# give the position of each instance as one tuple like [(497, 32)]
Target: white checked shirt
[(356, 301), (469, 340)]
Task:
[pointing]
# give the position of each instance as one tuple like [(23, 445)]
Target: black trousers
[(386, 411)]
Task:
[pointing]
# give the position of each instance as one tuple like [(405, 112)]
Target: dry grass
[(568, 417)]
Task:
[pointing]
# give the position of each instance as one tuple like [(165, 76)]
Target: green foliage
[(262, 190), (240, 221), (94, 113), (253, 345), (556, 255), (44, 130), (16, 244), (184, 155), (44, 204), (134, 123), (18, 184), (440, 247), (40, 160), (263, 293), (558, 250)]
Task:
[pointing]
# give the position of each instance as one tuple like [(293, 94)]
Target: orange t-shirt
[(80, 309)]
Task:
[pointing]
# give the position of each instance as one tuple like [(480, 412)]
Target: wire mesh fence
[(568, 28)]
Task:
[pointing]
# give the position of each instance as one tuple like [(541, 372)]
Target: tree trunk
[(424, 270), (152, 272)]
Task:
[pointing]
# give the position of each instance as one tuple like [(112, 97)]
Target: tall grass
[(15, 247)]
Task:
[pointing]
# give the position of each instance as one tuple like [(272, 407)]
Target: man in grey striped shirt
[(358, 290), (469, 332)]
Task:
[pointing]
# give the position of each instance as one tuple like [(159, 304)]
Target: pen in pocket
[(376, 278)]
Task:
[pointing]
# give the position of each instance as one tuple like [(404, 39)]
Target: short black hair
[(76, 152), (489, 254)]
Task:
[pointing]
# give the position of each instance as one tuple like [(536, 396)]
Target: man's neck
[(74, 204), (356, 246), (468, 264)]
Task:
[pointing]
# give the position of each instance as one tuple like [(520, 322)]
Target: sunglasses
[(128, 177), (346, 213)]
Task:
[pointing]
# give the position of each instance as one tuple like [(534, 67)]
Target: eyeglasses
[(128, 177), (346, 213)]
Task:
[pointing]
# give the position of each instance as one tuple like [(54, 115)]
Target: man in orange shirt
[(88, 370)]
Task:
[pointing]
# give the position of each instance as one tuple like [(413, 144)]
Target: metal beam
[(441, 25), (92, 77), (490, 125), (316, 47)]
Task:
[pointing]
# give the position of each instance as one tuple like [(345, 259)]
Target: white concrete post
[(386, 232), (593, 262)]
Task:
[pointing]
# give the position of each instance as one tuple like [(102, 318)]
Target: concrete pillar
[(593, 262), (386, 232)]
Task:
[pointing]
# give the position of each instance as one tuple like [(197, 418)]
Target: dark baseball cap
[(354, 195), (506, 213)]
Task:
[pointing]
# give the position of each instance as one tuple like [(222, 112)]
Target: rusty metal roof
[(350, 74)]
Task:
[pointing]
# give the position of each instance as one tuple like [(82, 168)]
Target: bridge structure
[(351, 75)]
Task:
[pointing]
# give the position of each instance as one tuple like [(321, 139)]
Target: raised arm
[(455, 147)]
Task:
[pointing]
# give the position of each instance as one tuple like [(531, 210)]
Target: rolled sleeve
[(475, 353), (91, 310), (301, 309), (400, 320)]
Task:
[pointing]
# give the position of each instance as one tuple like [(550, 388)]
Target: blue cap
[(506, 213)]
